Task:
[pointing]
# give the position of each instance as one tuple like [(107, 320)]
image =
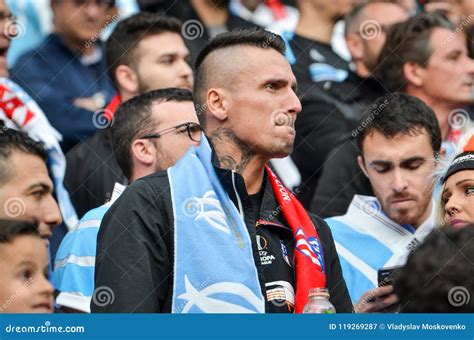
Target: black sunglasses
[(193, 129)]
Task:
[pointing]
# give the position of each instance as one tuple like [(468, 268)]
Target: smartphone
[(386, 276)]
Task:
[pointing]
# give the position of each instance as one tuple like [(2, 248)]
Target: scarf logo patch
[(202, 299), (309, 247)]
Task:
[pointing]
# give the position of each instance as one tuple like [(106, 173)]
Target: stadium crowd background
[(383, 146)]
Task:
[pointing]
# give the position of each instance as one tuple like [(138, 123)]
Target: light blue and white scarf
[(367, 240), (214, 269)]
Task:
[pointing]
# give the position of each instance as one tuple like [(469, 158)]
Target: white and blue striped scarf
[(367, 240)]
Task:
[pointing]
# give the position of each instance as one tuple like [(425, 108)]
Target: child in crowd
[(24, 285)]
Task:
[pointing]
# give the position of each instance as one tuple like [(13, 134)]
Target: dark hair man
[(144, 52), (422, 57), (152, 132), (399, 139), (25, 186), (247, 106)]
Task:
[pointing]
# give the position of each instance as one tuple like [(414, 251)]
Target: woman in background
[(456, 205)]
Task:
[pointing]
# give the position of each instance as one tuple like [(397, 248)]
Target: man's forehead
[(171, 113), (168, 41), (443, 40), (267, 63), (398, 148), (28, 168), (385, 12)]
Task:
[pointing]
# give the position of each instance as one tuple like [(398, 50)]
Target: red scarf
[(310, 272)]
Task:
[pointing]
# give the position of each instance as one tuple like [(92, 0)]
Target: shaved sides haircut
[(221, 58)]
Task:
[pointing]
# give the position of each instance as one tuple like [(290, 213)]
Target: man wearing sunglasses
[(150, 133)]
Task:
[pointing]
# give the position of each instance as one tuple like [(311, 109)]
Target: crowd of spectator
[(228, 156)]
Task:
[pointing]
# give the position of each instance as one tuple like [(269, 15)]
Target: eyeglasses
[(193, 129)]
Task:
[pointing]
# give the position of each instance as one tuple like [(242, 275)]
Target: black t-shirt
[(257, 202), (314, 63)]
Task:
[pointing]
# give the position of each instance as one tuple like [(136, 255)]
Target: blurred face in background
[(8, 31), (162, 62), (78, 21), (385, 15), (449, 73)]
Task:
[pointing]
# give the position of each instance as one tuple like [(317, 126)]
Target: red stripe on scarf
[(10, 105), (308, 250), (110, 109), (277, 8)]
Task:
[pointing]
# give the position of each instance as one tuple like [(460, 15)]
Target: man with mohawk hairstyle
[(219, 240)]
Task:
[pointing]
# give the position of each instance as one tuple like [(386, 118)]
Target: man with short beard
[(431, 63), (145, 52), (399, 139), (218, 232)]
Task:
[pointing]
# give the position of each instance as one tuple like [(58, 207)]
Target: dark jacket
[(327, 117), (54, 77), (135, 247), (341, 179), (91, 172)]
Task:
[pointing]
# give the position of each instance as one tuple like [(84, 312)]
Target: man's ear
[(360, 161), (217, 103), (355, 46), (413, 73), (127, 80), (142, 152)]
